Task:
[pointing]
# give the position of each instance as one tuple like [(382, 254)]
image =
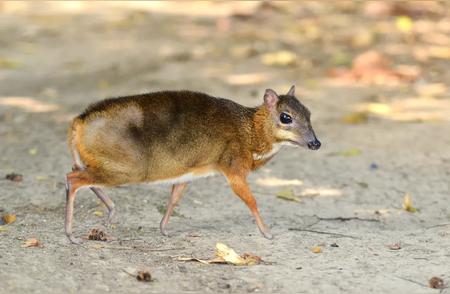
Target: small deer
[(176, 137)]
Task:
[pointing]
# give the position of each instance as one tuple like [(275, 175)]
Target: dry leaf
[(436, 283), (97, 235), (355, 118), (32, 242), (395, 246), (432, 90), (3, 229), (404, 24), (407, 203), (347, 153), (371, 67), (225, 254), (98, 213), (14, 177), (317, 249), (144, 276), (230, 256), (288, 194), (279, 58), (32, 151), (9, 218), (10, 63)]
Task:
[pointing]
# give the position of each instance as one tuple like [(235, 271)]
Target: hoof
[(108, 221), (164, 232), (74, 240), (267, 235)]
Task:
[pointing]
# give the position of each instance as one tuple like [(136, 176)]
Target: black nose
[(314, 145)]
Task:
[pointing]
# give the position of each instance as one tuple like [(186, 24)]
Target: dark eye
[(285, 118)]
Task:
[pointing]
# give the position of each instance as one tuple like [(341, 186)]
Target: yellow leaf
[(9, 218), (288, 194), (32, 151), (98, 213), (228, 254), (317, 249), (279, 58), (347, 153), (407, 203), (225, 254), (10, 63), (355, 118), (103, 84), (32, 242), (432, 90), (378, 108), (3, 229), (404, 24)]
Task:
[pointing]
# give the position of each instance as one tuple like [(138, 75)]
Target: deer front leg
[(177, 193), (240, 186)]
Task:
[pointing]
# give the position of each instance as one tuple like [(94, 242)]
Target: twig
[(438, 225), (323, 233), (412, 281), (344, 219), (142, 248)]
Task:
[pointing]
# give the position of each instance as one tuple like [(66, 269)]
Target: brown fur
[(165, 135)]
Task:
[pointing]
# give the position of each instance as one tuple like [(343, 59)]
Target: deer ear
[(270, 99), (291, 91)]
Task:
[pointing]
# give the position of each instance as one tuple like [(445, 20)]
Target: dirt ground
[(55, 60)]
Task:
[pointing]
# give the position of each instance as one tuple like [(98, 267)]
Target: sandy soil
[(64, 61)]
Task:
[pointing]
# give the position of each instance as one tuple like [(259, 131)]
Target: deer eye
[(285, 118)]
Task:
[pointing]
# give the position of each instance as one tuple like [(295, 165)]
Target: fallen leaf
[(9, 218), (395, 246), (317, 249), (144, 276), (436, 283), (32, 242), (347, 153), (32, 151), (230, 256), (288, 194), (363, 185), (103, 85), (98, 213), (225, 254), (3, 229), (404, 24), (372, 67), (376, 108), (440, 52), (14, 177), (41, 178), (432, 90), (355, 118), (10, 63), (97, 235), (363, 39), (407, 203), (279, 58)]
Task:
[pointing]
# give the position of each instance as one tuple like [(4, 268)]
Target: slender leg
[(107, 201), (241, 188), (74, 181), (177, 193)]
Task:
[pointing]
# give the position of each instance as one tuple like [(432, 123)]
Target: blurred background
[(375, 75)]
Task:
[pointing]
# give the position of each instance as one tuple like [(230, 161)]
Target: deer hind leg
[(74, 181), (77, 166), (107, 201)]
